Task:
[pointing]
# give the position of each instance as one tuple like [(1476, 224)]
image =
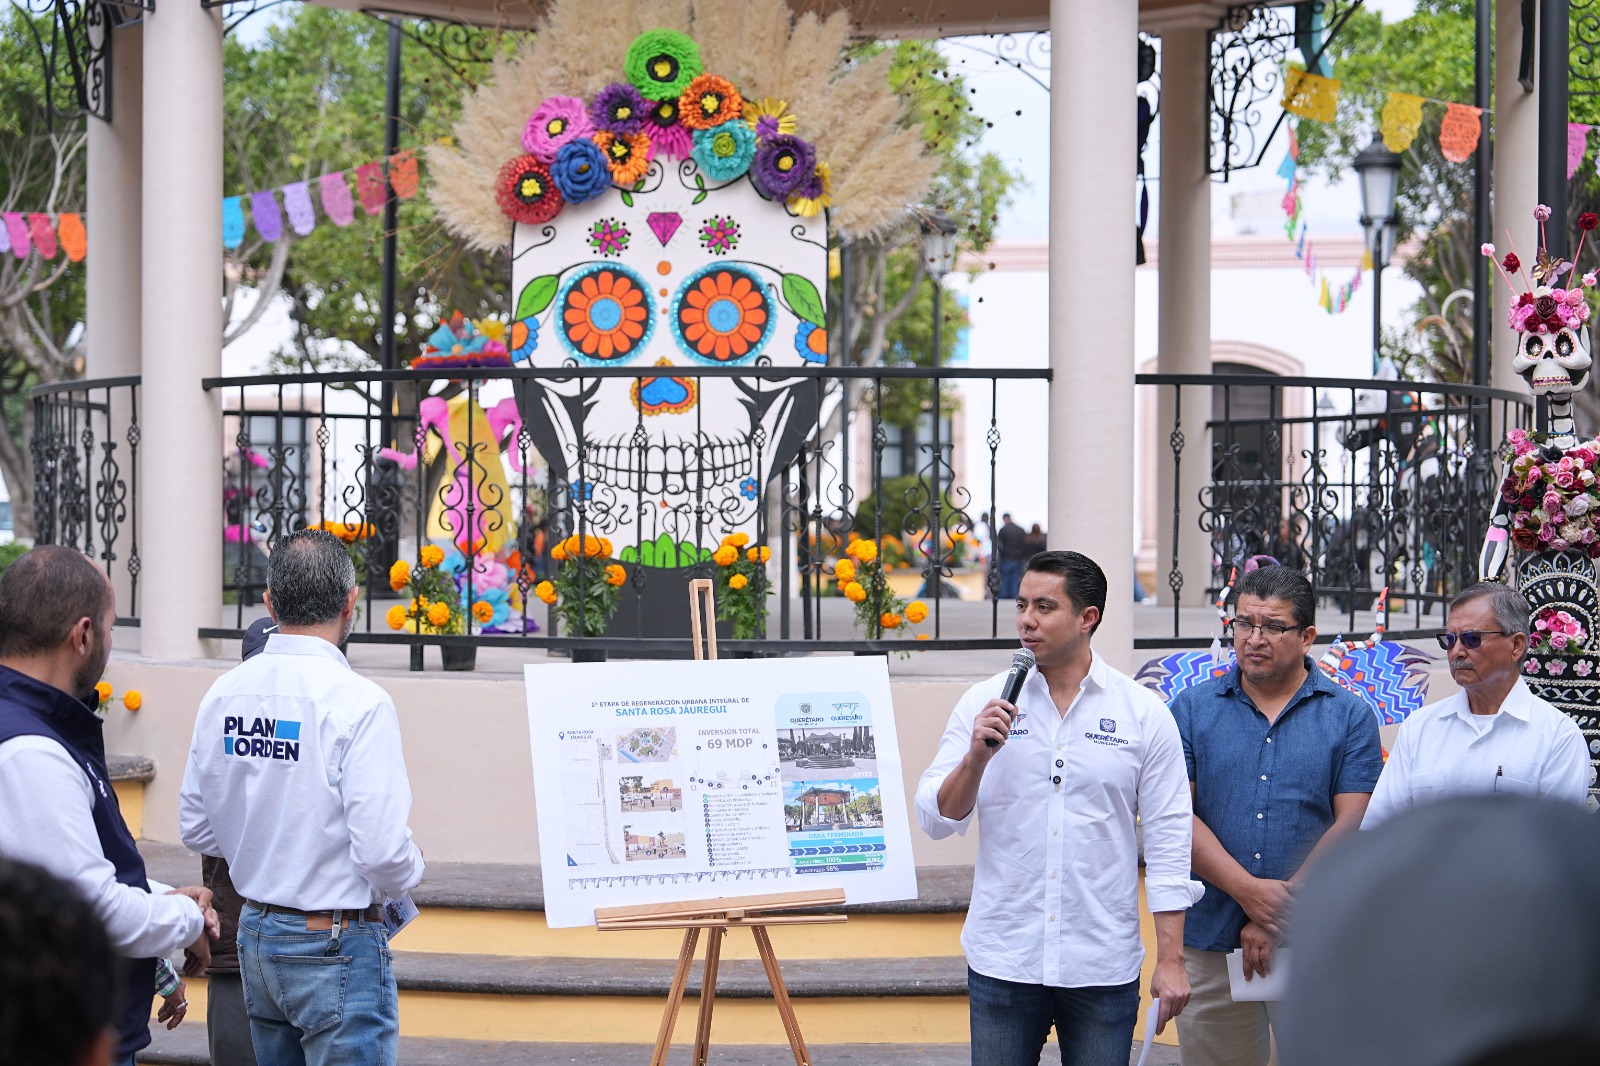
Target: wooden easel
[(720, 915)]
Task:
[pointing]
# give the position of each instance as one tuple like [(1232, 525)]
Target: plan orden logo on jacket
[(261, 738)]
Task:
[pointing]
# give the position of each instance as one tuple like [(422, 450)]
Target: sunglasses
[(1471, 639)]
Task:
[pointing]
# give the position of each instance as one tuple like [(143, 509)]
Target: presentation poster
[(660, 782)]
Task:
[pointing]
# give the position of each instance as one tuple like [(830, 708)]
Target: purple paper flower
[(782, 164), (619, 108)]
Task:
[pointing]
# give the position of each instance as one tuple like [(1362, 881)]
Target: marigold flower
[(605, 548), (438, 614), (916, 611), (890, 620), (591, 547), (737, 582), (103, 690), (399, 575), (844, 570), (616, 575), (430, 556), (924, 636), (854, 592), (759, 555), (739, 540), (864, 550), (725, 555), (545, 591), (132, 699), (396, 617), (483, 611), (559, 553)]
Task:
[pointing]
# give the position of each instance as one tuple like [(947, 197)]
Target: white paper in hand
[(1271, 988), (398, 913), (1152, 1018)]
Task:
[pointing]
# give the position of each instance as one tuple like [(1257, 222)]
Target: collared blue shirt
[(1266, 789)]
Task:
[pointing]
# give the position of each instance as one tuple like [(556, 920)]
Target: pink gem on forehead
[(664, 224)]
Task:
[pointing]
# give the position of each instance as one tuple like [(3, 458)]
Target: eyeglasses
[(1271, 631), (1471, 639)]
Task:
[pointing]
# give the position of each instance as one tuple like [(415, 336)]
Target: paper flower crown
[(576, 151), (461, 342), (743, 87), (1542, 307)]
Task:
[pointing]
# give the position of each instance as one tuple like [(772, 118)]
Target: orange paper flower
[(709, 101)]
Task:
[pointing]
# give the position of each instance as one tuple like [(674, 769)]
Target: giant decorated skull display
[(1551, 355)]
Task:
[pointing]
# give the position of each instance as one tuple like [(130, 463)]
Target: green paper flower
[(662, 63)]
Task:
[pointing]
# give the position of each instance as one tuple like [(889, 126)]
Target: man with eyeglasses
[(1494, 737), (1282, 762)]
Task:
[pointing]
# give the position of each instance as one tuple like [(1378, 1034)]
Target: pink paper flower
[(1530, 667), (1555, 667), (1541, 213), (554, 122), (1583, 668)]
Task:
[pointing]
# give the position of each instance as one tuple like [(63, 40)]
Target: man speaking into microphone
[(1058, 776)]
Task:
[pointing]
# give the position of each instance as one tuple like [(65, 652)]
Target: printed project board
[(658, 782)]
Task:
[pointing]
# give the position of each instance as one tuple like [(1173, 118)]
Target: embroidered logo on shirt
[(1108, 725), (261, 738)]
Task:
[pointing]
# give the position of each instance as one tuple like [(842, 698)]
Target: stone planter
[(459, 657)]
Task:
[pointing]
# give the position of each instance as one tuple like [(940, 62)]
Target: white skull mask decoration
[(1550, 355), (676, 254)]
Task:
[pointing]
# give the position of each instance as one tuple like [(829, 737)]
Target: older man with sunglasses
[(1494, 737)]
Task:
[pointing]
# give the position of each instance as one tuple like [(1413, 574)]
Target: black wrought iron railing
[(1360, 484)]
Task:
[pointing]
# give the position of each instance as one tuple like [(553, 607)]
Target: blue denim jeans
[(1010, 1022), (311, 1006), (1011, 571)]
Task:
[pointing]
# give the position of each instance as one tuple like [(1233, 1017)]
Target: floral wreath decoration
[(461, 342), (1542, 306), (711, 80)]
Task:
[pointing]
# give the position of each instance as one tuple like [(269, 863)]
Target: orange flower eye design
[(723, 313), (605, 312)]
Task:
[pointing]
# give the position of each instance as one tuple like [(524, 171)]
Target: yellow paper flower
[(844, 570), (812, 206), (483, 611), (103, 690), (616, 575), (545, 591), (916, 611), (399, 575), (559, 553), (438, 614), (396, 617), (854, 592), (759, 555), (864, 551), (738, 581), (132, 699), (430, 556), (725, 555), (782, 119), (890, 620), (492, 328)]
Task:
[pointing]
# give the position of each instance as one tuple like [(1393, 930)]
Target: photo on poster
[(654, 841), (640, 794), (834, 826), (647, 744), (827, 751)]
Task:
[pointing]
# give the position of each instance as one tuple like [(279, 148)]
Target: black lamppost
[(1379, 172), (939, 258)]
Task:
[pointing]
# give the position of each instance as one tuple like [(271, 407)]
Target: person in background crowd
[(1052, 933), (57, 808), (1011, 550), (1282, 762), (58, 978), (297, 779), (1494, 737)]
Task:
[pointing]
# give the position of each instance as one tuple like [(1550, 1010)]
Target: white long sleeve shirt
[(296, 777), (1528, 748), (1055, 889), (47, 820)]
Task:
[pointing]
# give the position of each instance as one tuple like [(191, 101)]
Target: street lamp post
[(1379, 172), (939, 258)]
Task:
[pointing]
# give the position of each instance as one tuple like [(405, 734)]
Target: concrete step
[(186, 1046)]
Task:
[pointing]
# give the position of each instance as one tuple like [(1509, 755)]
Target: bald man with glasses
[(1494, 737)]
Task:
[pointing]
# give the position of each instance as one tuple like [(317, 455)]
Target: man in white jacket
[(296, 778)]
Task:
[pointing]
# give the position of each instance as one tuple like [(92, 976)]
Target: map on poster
[(659, 782)]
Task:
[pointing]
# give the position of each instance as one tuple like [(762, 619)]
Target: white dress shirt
[(1055, 889), (48, 821), (296, 777), (1529, 748)]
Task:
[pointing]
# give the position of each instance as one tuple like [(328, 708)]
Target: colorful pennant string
[(370, 187), (336, 202), (17, 230), (5, 237), (1458, 132), (1332, 299), (74, 238), (403, 176), (232, 223), (1402, 118), (264, 213), (42, 229), (1311, 95), (1577, 146), (297, 205)]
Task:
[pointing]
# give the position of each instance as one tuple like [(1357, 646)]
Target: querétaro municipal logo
[(261, 738), (1108, 725)]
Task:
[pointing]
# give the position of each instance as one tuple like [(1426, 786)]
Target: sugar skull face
[(680, 271), (1550, 353)]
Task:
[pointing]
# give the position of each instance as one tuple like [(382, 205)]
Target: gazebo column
[(1184, 326), (112, 264), (1093, 73), (180, 476), (1516, 181)]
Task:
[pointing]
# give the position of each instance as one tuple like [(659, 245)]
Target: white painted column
[(112, 266), (181, 456), (1516, 181), (1184, 328), (1093, 73)]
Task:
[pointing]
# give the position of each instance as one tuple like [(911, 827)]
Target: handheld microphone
[(1021, 663)]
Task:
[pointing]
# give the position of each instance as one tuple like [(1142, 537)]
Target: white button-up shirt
[(1529, 748), (296, 777), (1055, 890)]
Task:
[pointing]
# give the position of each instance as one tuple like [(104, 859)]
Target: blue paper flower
[(807, 345), (748, 488), (580, 171), (523, 337), (725, 152)]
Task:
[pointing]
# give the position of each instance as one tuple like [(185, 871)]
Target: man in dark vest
[(57, 809)]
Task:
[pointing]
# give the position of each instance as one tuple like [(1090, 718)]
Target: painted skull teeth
[(669, 467)]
